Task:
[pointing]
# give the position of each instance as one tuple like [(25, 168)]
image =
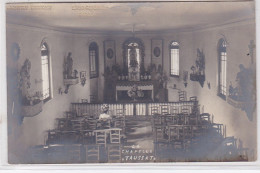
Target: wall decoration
[(83, 77), (24, 78), (157, 52), (69, 75), (109, 53), (242, 95), (31, 103), (198, 71)]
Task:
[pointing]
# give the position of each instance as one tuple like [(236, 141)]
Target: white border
[(142, 167)]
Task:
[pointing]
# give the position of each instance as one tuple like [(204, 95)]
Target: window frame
[(176, 47), (47, 53), (222, 48), (93, 47)]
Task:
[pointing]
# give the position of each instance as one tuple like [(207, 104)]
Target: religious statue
[(68, 67), (24, 75), (133, 55), (134, 73)]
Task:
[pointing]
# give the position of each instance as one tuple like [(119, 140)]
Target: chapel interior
[(131, 82)]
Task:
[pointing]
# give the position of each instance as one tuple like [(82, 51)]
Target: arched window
[(45, 63), (174, 59), (93, 60), (222, 68)]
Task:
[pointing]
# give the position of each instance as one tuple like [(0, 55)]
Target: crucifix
[(251, 47)]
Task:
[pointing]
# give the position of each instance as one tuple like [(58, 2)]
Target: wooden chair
[(70, 137), (193, 98), (204, 118), (193, 119), (92, 153), (156, 121), (115, 136), (78, 124), (120, 113), (91, 123), (84, 100), (104, 124), (182, 96), (154, 110), (62, 123), (114, 153), (70, 114), (164, 109), (74, 153), (174, 110), (217, 128), (174, 133), (54, 137), (182, 119), (119, 122), (101, 137), (185, 109), (160, 135)]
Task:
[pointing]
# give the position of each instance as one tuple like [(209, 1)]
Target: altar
[(124, 86)]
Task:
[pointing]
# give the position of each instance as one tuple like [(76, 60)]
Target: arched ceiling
[(121, 17)]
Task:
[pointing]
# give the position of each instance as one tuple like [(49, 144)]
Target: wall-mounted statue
[(198, 71), (31, 103), (242, 95), (68, 67), (24, 78), (69, 75)]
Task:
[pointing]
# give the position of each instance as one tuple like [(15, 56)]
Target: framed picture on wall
[(157, 52), (109, 54), (83, 77)]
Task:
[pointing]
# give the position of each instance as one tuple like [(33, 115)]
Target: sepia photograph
[(131, 82)]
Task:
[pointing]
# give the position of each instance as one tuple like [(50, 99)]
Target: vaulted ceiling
[(126, 17)]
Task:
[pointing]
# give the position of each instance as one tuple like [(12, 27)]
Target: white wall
[(32, 131), (238, 38)]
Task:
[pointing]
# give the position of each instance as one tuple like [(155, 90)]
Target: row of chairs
[(99, 153), (101, 137), (168, 109), (73, 122), (74, 153)]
